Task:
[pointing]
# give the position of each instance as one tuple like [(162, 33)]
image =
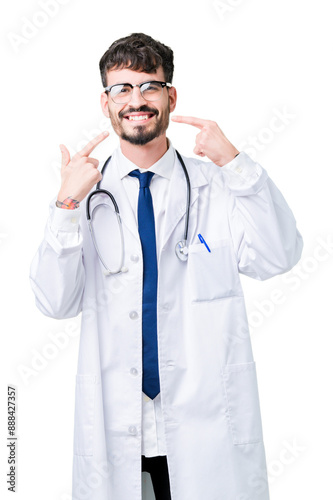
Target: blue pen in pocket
[(201, 238)]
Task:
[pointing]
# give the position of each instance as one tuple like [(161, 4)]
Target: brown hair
[(138, 52)]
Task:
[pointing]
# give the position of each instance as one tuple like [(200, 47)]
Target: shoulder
[(196, 166)]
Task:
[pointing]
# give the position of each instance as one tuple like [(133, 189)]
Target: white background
[(240, 64)]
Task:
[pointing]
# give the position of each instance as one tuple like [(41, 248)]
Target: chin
[(140, 139), (137, 141)]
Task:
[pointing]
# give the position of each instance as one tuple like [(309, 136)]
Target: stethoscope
[(181, 249)]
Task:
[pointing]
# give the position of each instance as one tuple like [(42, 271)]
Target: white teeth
[(138, 117)]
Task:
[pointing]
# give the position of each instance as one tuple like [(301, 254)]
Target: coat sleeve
[(57, 273), (263, 228)]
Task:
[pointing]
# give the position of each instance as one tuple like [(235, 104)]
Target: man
[(166, 381)]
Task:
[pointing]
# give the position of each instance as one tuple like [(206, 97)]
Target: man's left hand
[(210, 141)]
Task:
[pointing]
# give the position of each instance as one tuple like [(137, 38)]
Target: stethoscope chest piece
[(181, 250)]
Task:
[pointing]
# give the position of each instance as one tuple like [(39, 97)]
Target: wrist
[(230, 157), (68, 203)]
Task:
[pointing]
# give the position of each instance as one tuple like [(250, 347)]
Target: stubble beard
[(140, 135)]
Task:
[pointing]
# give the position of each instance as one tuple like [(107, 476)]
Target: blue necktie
[(146, 224)]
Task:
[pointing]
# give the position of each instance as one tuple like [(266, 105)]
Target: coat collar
[(163, 167)]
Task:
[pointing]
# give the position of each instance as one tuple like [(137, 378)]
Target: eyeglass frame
[(164, 84)]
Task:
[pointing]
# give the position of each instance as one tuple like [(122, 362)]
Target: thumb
[(65, 156)]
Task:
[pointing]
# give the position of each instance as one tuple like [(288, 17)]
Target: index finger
[(93, 143), (190, 120)]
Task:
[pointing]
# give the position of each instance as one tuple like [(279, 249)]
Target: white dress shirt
[(153, 437)]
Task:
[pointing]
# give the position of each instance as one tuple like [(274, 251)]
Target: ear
[(105, 104), (172, 98)]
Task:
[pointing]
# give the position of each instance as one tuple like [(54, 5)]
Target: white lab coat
[(208, 381)]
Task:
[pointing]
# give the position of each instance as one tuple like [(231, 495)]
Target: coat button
[(133, 315), (134, 371), (132, 430), (135, 257)]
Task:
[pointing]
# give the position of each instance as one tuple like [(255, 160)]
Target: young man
[(166, 380)]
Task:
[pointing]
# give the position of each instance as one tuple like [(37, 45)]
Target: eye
[(151, 87), (124, 89), (121, 89)]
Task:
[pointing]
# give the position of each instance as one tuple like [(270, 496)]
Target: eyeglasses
[(121, 93)]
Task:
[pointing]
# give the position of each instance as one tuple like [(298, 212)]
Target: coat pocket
[(241, 391), (212, 275), (84, 414)]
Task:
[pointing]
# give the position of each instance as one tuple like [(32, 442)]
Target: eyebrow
[(128, 83)]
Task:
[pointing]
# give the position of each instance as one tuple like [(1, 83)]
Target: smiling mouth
[(140, 117)]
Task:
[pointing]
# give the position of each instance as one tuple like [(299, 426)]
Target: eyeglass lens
[(150, 91)]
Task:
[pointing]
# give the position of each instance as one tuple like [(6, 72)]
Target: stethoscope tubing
[(188, 201), (99, 190)]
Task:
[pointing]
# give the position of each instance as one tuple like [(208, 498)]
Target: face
[(152, 117)]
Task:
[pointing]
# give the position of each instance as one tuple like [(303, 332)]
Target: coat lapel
[(112, 182), (177, 196)]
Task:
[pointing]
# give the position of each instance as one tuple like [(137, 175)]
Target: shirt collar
[(163, 167)]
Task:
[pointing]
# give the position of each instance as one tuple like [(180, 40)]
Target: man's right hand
[(79, 174)]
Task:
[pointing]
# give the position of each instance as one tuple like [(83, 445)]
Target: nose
[(136, 97)]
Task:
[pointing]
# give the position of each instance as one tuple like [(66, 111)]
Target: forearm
[(266, 239), (57, 273)]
